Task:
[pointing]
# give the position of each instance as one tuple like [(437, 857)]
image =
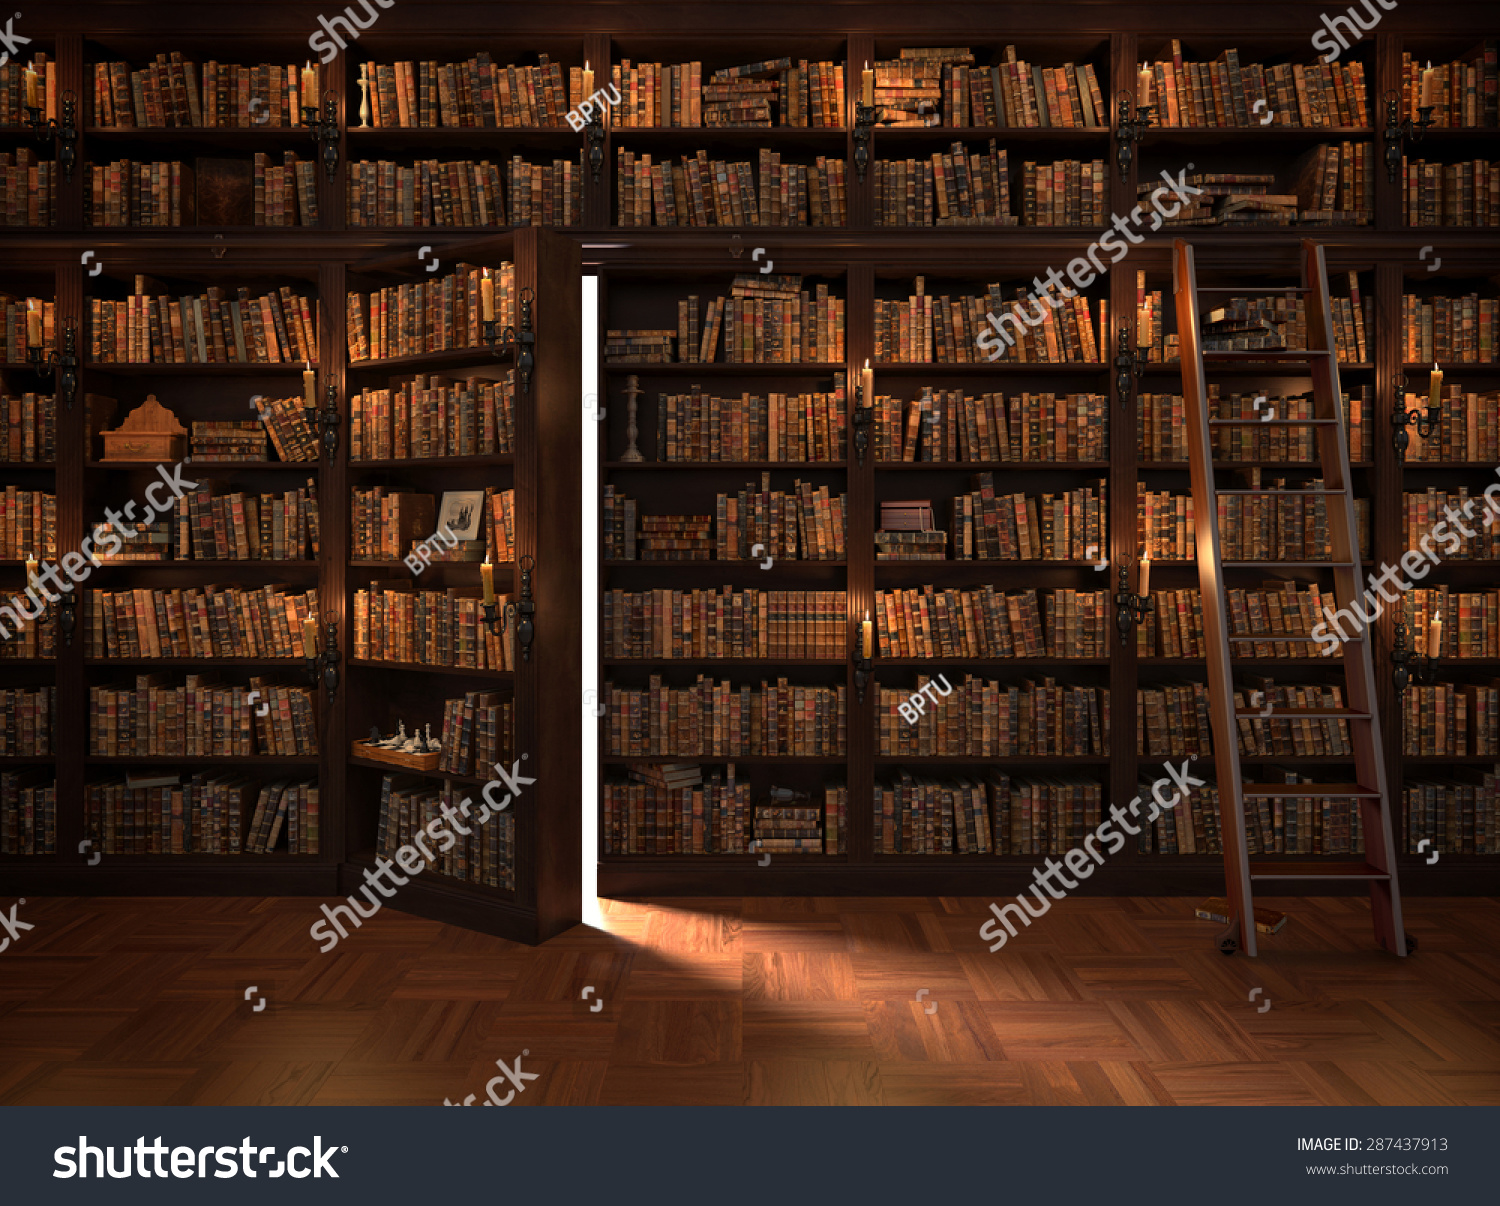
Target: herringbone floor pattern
[(781, 1001)]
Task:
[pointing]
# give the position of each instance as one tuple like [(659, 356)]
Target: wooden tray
[(421, 762)]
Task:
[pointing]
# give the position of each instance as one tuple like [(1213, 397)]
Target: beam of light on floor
[(589, 605)]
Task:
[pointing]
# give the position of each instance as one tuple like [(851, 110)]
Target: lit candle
[(1144, 589), (33, 94), (1143, 327), (867, 385), (1435, 386), (487, 296), (867, 85), (309, 385), (310, 637), (1435, 638), (588, 81), (33, 325), (866, 637), (1429, 85), (1143, 88), (30, 565), (309, 84), (487, 577)]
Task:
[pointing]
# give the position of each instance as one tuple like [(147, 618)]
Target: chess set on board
[(420, 751)]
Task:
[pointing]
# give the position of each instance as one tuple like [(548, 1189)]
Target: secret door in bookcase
[(464, 422)]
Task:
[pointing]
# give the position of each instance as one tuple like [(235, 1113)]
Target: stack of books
[(676, 538), (911, 546), (787, 829), (639, 346), (669, 776), (229, 441)]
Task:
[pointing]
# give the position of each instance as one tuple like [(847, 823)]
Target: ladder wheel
[(1227, 946), (1411, 943)]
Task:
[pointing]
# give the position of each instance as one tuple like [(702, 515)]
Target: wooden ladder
[(1369, 787)]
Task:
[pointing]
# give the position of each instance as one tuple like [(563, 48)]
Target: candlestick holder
[(326, 663), (327, 421), (1408, 666), (1129, 131), (325, 131), (864, 416), (1426, 420), (494, 615), (632, 429), (61, 366), (526, 608), (864, 122), (523, 342), (67, 616), (1130, 362), (364, 96), (1397, 131), (593, 132), (65, 132), (1130, 609)]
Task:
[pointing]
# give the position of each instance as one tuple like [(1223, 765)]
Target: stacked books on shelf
[(1453, 818), (1070, 192), (28, 524), (945, 85), (240, 527), (20, 91), (434, 416), (1071, 526), (466, 192), (1293, 527), (956, 188), (276, 328), (910, 544), (477, 92), (1457, 329), (921, 814), (479, 731), (926, 329), (286, 194), (715, 719), (129, 193), (28, 189), (385, 522), (211, 621), (27, 715), (286, 422), (798, 828), (431, 315), (31, 427), (986, 623), (28, 812), (1451, 720), (726, 623), (986, 719), (228, 440), (201, 718), (485, 856), (804, 524), (1301, 737), (717, 192), (1470, 621), (29, 322), (174, 92), (209, 814), (393, 622), (950, 425), (1280, 825), (1228, 92), (1462, 93), (1280, 608), (1173, 720), (782, 92), (792, 428), (655, 817), (1422, 512), (1450, 194), (22, 639), (1161, 426), (1327, 185)]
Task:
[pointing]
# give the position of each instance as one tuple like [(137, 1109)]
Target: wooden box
[(150, 432), (420, 762)]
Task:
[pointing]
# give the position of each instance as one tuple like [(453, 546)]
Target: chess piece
[(632, 431), (374, 734), (431, 746), (364, 96)]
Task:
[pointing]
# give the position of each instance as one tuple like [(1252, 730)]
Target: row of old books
[(28, 189), (1450, 194), (434, 416), (927, 814), (466, 192), (712, 719), (385, 521), (30, 427), (242, 527), (14, 97), (716, 192), (704, 818), (1453, 818), (210, 621), (26, 716), (1463, 93), (1289, 528), (1451, 720), (1422, 512), (792, 428), (946, 85), (1469, 429), (209, 814), (1226, 92), (485, 855), (164, 193), (286, 194), (984, 718), (22, 639), (227, 440), (1471, 621), (287, 423), (1284, 608), (951, 426), (1174, 721), (988, 526), (17, 316), (926, 329), (765, 320), (1330, 183), (28, 812), (958, 188), (394, 622), (479, 731), (726, 623), (206, 329), (987, 623), (1161, 427), (431, 315), (1280, 825), (201, 718), (28, 524), (805, 523), (910, 544), (174, 92), (475, 93), (782, 92), (1457, 329)]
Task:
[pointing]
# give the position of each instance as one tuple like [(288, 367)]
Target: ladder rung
[(1274, 423), (1302, 714), (1279, 791), (1287, 564), (1271, 354), (1318, 870), (1297, 640), (1249, 291), (1289, 493)]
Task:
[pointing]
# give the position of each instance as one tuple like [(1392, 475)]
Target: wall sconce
[(67, 616), (1398, 131), (594, 133), (864, 122), (64, 366), (1133, 609), (66, 134), (325, 663), (326, 131), (1128, 132), (864, 665), (327, 421), (524, 341), (1427, 423), (526, 608), (1130, 361), (864, 411), (1408, 666)]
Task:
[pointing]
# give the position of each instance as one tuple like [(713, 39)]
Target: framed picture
[(462, 513)]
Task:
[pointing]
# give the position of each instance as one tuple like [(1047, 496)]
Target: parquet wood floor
[(761, 1001)]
